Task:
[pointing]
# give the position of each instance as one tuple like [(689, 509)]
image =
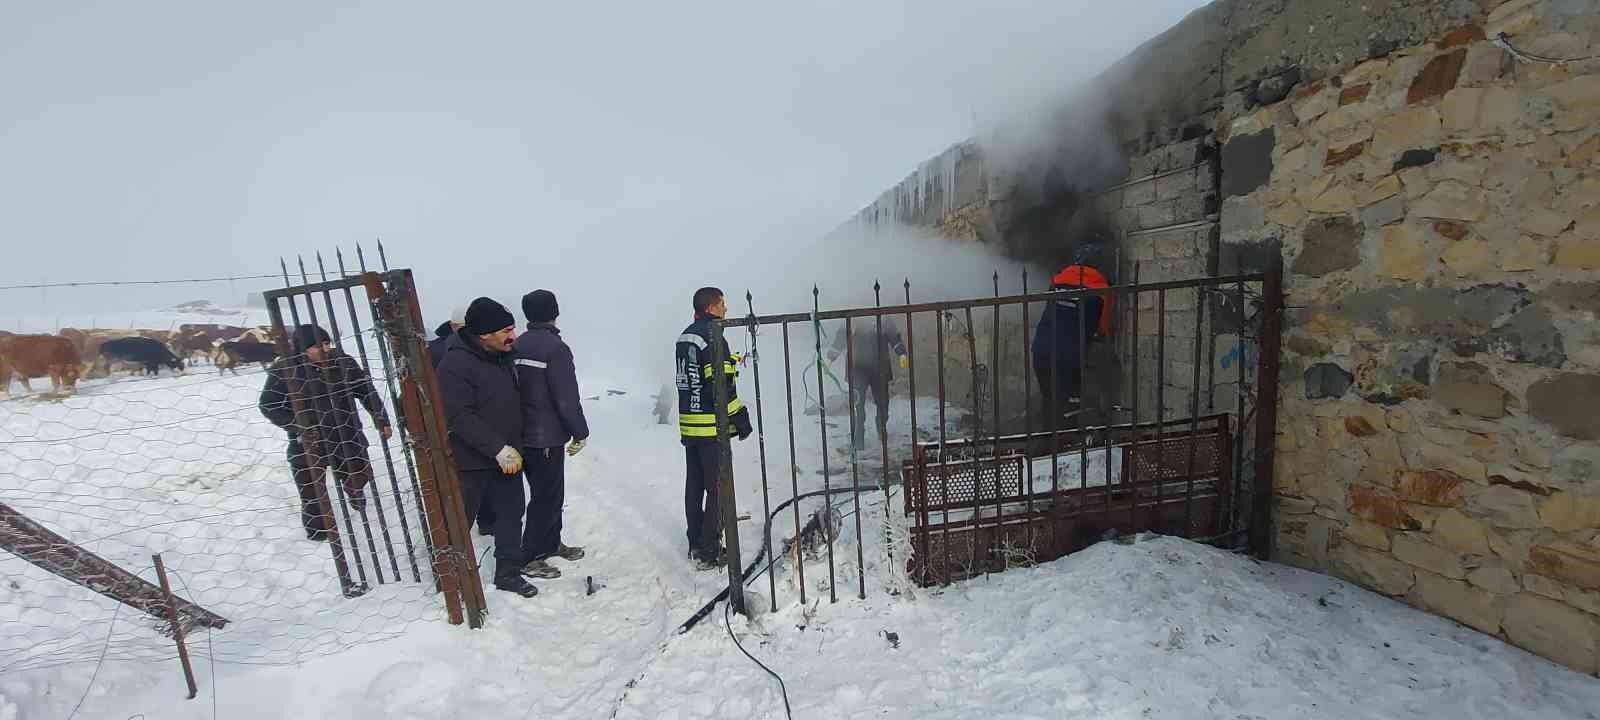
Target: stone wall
[(1436, 203), (1438, 211)]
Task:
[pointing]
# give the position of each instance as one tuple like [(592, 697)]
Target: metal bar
[(761, 442), (1133, 422), (943, 461), (388, 457), (293, 362), (918, 469), (1239, 442), (1194, 414), (1111, 401), (822, 426), (1027, 409), (1083, 369), (1149, 178), (855, 450), (994, 410), (1161, 404), (177, 627), (986, 302), (977, 429), (431, 402), (728, 506), (328, 385), (883, 428), (366, 524), (406, 452), (794, 467), (1267, 412), (1053, 408), (309, 288)]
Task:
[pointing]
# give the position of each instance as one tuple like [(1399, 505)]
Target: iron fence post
[(1267, 411), (728, 506)]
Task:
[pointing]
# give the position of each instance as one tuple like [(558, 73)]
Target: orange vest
[(1088, 277)]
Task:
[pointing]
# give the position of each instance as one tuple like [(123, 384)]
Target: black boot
[(709, 560), (516, 584)]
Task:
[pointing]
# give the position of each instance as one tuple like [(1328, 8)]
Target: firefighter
[(872, 370), (697, 362), (1066, 327)]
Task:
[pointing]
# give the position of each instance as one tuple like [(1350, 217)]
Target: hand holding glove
[(509, 459), (575, 447), (905, 361)]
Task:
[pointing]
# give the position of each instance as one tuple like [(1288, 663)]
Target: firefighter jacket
[(697, 414)]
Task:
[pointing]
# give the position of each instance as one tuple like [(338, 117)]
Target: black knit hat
[(307, 335), (540, 306), (486, 316)]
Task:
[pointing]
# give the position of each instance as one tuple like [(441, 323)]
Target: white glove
[(510, 460), (575, 448)]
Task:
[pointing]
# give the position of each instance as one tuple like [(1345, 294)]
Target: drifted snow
[(1160, 628)]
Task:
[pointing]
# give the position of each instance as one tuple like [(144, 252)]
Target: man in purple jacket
[(551, 416)]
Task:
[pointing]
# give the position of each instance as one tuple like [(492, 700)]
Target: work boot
[(570, 553), (704, 560), (540, 569), (515, 584)]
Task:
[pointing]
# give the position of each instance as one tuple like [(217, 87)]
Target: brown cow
[(194, 341), (31, 356)]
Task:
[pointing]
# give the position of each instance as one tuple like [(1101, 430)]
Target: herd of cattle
[(72, 354)]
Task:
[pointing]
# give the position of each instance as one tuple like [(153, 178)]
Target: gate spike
[(361, 257), (383, 257), (322, 268)]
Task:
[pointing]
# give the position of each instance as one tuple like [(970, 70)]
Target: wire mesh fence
[(293, 500)]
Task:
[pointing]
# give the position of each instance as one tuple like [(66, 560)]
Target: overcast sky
[(579, 146)]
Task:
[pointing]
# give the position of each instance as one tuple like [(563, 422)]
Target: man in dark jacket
[(483, 411), (328, 383), (551, 416), (871, 369), (697, 424), (443, 334), (1060, 340)]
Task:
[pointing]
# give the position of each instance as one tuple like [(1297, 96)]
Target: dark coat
[(551, 411), (871, 354), (482, 405), (1064, 328), (440, 342), (696, 363), (330, 391)]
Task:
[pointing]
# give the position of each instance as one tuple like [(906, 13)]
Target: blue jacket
[(439, 344), (1057, 336), (551, 411)]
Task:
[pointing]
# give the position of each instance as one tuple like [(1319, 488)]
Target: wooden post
[(177, 627), (727, 506)]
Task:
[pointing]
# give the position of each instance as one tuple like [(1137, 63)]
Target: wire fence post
[(177, 627), (728, 506)]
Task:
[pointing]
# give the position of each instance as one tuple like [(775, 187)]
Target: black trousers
[(1060, 385), (547, 489), (703, 460), (353, 472), (503, 493), (867, 380)]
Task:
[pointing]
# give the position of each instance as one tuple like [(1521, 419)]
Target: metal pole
[(994, 409), (1267, 412), (977, 429), (855, 456), (822, 425), (918, 469), (366, 524), (1027, 411), (794, 467), (1135, 440), (177, 627), (338, 486), (883, 428), (761, 442), (293, 362), (1194, 415), (727, 504), (396, 421), (406, 451), (1161, 407), (1238, 414), (942, 459)]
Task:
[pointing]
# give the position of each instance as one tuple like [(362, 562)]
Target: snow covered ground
[(1158, 628)]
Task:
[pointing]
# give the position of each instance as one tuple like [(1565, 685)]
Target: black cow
[(142, 350), (231, 353)]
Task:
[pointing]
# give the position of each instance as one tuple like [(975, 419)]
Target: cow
[(31, 356), (198, 340), (232, 352), (148, 352)]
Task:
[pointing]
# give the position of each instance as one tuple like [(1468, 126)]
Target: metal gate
[(1177, 438), (372, 543)]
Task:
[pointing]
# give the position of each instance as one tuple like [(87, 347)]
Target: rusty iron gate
[(1177, 440), (368, 543)]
